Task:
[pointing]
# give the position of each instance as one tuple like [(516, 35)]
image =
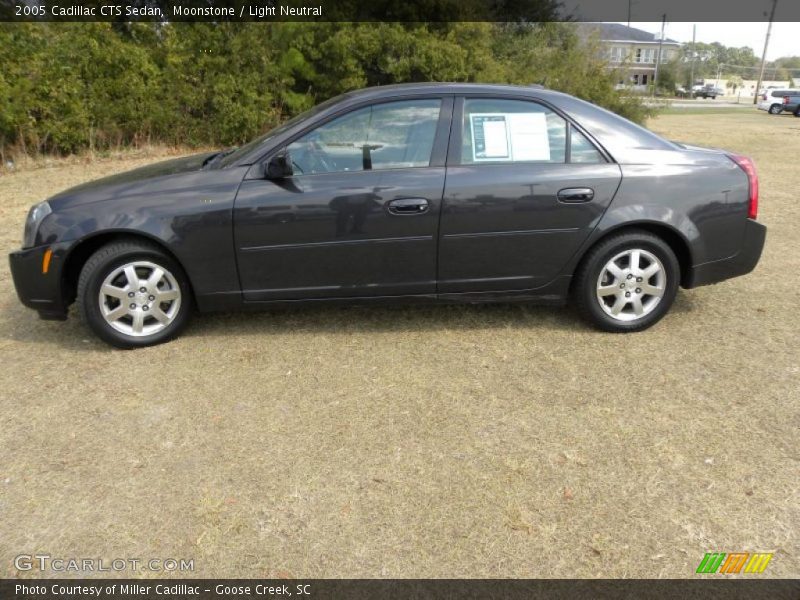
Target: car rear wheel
[(131, 294), (775, 109), (627, 282)]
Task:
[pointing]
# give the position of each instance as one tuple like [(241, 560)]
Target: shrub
[(67, 86)]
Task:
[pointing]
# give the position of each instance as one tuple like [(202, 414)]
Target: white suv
[(772, 100)]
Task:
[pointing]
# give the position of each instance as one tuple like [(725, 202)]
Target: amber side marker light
[(46, 260)]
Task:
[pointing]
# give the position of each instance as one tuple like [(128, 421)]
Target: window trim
[(568, 146), (456, 133), (440, 140)]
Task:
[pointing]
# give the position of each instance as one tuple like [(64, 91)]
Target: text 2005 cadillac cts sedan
[(442, 192)]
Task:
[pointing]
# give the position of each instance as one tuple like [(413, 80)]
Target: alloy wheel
[(139, 298), (631, 284)]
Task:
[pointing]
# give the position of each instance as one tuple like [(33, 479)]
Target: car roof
[(403, 89)]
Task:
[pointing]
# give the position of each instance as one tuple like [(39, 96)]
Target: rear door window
[(502, 131), (512, 131)]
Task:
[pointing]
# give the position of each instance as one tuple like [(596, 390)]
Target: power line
[(769, 68)]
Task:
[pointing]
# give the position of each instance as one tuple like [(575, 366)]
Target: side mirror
[(279, 166)]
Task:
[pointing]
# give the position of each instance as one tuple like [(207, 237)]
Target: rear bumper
[(740, 263), (37, 290)]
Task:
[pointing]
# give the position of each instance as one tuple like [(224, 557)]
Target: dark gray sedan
[(435, 192)]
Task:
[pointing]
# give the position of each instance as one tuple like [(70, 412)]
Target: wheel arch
[(671, 236), (80, 253)]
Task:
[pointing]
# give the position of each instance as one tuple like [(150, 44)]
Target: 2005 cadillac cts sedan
[(444, 192)]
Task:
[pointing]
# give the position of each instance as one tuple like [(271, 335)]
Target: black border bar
[(711, 587), (396, 10)]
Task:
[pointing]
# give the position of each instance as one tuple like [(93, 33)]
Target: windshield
[(251, 145)]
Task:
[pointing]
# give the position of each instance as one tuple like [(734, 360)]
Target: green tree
[(69, 86)]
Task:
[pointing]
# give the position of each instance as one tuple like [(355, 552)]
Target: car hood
[(128, 182)]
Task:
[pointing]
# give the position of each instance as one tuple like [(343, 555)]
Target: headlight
[(36, 214)]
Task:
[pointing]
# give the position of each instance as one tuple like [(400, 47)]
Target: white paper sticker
[(510, 137), (529, 139), (490, 140)]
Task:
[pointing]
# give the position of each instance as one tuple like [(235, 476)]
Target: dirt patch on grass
[(488, 441)]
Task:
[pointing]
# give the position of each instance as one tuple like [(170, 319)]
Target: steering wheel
[(309, 155), (319, 159)]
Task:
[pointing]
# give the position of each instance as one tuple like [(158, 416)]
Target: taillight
[(764, 97), (746, 165), (786, 99)]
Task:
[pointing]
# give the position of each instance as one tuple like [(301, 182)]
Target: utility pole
[(658, 57), (764, 54), (691, 77), (629, 12)]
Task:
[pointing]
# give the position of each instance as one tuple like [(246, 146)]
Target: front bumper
[(740, 263), (36, 289)]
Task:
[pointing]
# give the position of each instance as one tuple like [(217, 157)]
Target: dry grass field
[(444, 441)]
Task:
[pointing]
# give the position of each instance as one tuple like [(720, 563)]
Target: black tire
[(775, 109), (103, 263), (588, 273)]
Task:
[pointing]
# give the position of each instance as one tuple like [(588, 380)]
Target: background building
[(633, 51)]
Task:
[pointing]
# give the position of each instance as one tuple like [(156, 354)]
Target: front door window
[(394, 135)]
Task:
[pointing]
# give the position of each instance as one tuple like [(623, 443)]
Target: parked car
[(417, 192), (708, 91), (791, 103), (772, 100)]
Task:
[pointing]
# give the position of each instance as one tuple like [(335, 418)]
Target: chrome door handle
[(576, 194), (408, 206)]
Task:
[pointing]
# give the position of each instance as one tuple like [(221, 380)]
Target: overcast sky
[(784, 40)]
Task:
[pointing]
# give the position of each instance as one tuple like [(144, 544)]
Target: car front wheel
[(627, 282), (131, 294)]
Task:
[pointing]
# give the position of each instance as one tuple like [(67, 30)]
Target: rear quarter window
[(582, 150)]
